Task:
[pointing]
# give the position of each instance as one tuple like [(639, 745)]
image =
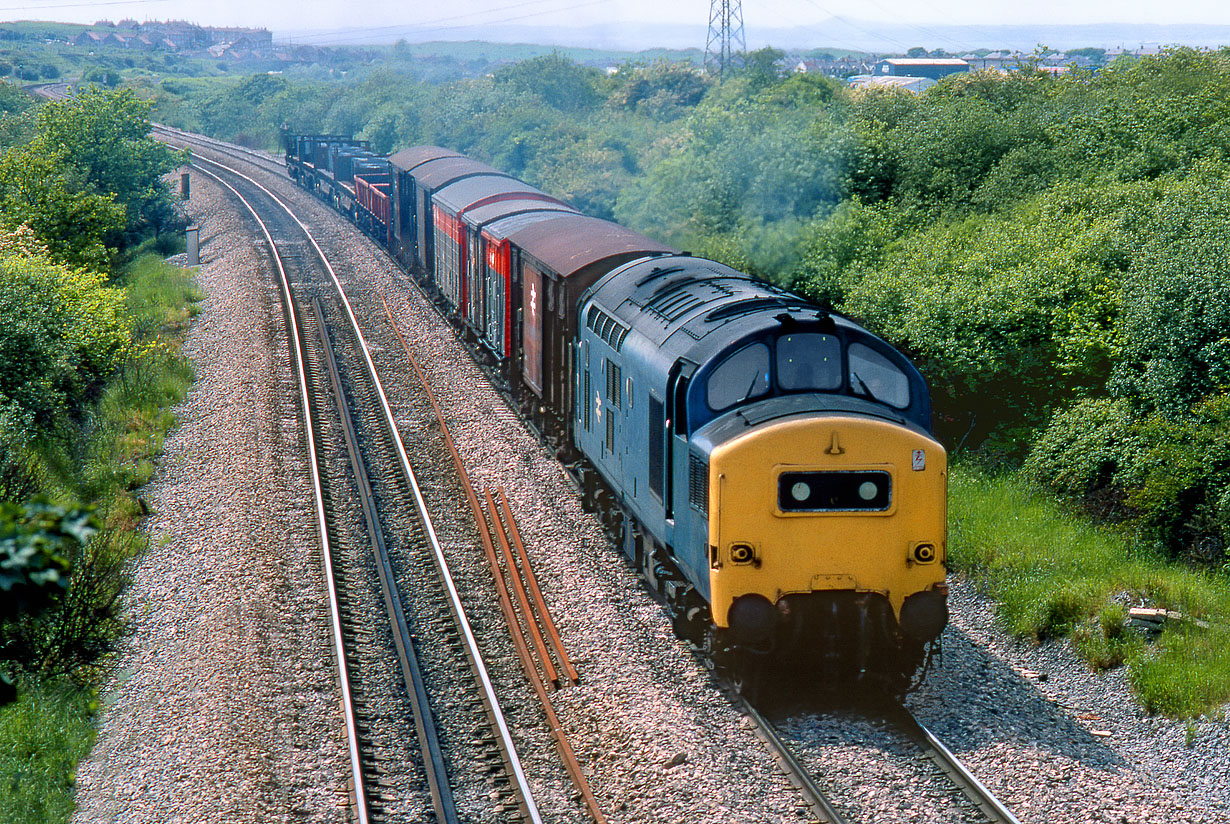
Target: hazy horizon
[(881, 25)]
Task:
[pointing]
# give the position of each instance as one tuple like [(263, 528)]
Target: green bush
[(1090, 446), (1182, 498), (62, 332)]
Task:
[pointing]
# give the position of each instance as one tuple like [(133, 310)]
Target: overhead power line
[(363, 35)]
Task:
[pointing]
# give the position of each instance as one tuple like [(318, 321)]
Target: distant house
[(932, 67), (88, 38), (909, 84)]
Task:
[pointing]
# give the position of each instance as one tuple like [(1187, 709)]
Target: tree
[(104, 137), (560, 82), (762, 67), (76, 225)]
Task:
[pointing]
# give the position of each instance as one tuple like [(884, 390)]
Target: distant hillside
[(834, 33)]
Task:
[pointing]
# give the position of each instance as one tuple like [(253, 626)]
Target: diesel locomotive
[(766, 464)]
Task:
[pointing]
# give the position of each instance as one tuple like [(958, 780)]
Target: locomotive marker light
[(742, 553)]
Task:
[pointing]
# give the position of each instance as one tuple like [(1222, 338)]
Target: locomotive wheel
[(749, 675)]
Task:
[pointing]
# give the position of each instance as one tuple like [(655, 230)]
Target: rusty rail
[(527, 614), (567, 755), (531, 581)]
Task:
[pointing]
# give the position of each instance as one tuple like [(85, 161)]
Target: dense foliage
[(1052, 249), (79, 189), (1054, 253)]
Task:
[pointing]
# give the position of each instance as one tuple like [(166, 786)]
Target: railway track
[(827, 805), (495, 525), (343, 393)]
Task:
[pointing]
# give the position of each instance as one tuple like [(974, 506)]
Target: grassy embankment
[(51, 726), (1055, 575)]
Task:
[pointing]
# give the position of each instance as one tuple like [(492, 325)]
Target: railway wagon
[(553, 262), (493, 224), (328, 165), (409, 240), (374, 210), (415, 189), (460, 268), (772, 462)]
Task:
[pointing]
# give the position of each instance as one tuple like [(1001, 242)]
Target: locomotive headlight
[(923, 553), (842, 490)]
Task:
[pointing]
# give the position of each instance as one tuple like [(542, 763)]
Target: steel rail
[(815, 796), (471, 641), (523, 601), (322, 528), (562, 744), (220, 145), (958, 773), (424, 721)]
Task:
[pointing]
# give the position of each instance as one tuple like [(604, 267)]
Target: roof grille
[(674, 300), (606, 327)]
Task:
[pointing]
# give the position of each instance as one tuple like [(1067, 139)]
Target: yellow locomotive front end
[(828, 537)]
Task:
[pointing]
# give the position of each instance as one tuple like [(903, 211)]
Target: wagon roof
[(507, 224), (471, 192), (408, 159), (570, 242), (435, 174), (493, 214)]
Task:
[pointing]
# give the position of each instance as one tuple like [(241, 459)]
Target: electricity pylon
[(726, 43)]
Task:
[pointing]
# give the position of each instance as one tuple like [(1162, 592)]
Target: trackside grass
[(51, 725), (43, 734), (1054, 574)]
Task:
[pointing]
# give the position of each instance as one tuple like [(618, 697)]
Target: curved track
[(284, 231), (823, 808)]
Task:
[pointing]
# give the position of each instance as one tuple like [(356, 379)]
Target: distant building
[(909, 84), (932, 67), (178, 35), (829, 66)]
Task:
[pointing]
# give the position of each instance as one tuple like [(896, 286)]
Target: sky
[(301, 15)]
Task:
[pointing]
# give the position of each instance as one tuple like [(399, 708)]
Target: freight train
[(766, 464)]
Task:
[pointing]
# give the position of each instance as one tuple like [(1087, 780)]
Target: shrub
[(61, 333), (1086, 447), (1182, 497)]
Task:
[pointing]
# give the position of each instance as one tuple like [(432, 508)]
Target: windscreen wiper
[(865, 388), (751, 387)]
